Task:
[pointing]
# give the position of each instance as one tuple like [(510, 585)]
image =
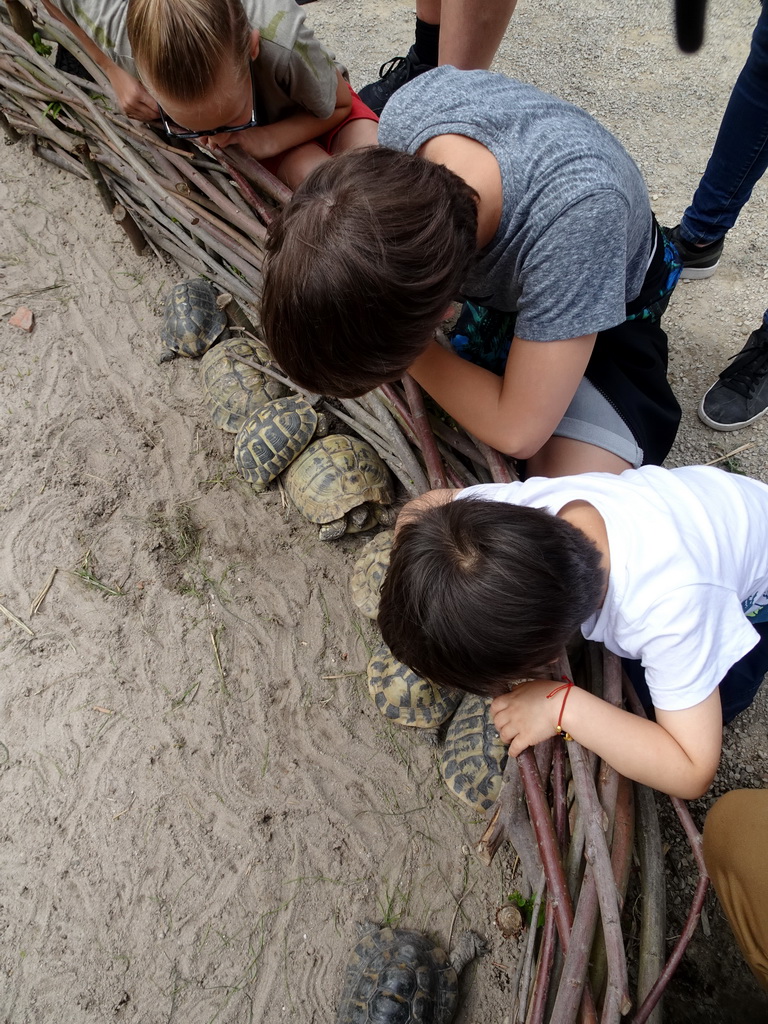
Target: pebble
[(23, 318)]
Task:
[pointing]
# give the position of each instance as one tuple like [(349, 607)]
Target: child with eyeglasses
[(225, 72)]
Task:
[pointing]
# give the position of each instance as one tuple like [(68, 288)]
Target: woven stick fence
[(209, 212)]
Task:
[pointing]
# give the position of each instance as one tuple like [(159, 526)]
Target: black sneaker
[(392, 74), (698, 261), (740, 396)]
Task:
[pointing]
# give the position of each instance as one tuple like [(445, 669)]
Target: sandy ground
[(199, 799)]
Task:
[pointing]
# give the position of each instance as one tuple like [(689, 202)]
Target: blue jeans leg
[(737, 688), (740, 154)]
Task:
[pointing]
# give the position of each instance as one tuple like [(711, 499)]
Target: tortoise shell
[(233, 389), (396, 976), (407, 699), (192, 320), (334, 475), (271, 438), (369, 571), (473, 757)]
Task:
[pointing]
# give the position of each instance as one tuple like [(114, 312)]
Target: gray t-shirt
[(293, 71), (575, 235)]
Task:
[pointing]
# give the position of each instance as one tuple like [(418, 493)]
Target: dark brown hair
[(181, 45), (361, 267), (479, 593)]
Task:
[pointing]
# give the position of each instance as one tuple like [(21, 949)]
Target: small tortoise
[(271, 438), (233, 389), (396, 976), (193, 320), (407, 699), (369, 572), (473, 757), (341, 483)]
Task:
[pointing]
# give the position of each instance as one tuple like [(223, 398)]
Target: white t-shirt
[(689, 567)]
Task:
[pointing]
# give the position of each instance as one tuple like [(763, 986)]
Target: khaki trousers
[(736, 854)]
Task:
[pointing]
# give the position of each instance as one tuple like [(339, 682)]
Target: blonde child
[(226, 73)]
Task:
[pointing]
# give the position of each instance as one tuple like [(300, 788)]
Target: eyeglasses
[(177, 132)]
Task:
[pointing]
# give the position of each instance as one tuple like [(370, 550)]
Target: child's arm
[(272, 139), (677, 754), (133, 98), (518, 412)]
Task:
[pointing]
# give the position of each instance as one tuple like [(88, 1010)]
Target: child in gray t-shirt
[(495, 191), (226, 71)]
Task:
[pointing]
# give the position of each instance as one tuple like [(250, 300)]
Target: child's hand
[(524, 716), (133, 98)]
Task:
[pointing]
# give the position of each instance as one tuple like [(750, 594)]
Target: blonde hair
[(181, 45)]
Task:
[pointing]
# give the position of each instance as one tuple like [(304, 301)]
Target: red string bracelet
[(567, 686)]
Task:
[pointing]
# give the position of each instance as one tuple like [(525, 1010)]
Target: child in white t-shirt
[(666, 567)]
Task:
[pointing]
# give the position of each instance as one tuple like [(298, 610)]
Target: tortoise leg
[(467, 948), (429, 735), (333, 530), (385, 515), (357, 518)]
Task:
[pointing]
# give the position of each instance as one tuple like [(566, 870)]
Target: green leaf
[(42, 48), (526, 907)]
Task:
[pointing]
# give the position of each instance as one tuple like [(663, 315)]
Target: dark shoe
[(392, 74), (698, 261), (740, 396)]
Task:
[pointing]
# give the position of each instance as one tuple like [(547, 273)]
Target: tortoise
[(397, 976), (233, 389), (341, 483), (192, 319), (407, 699), (369, 571), (473, 757), (271, 437)]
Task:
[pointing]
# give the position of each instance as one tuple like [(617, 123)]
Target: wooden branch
[(21, 19), (389, 429), (457, 473), (254, 171), (575, 969), (544, 973), (541, 820), (509, 820), (130, 227), (653, 916), (266, 214), (497, 464), (247, 224), (559, 895), (691, 923), (525, 979), (53, 155), (94, 172), (10, 132), (415, 399)]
